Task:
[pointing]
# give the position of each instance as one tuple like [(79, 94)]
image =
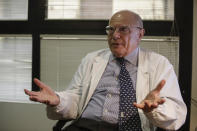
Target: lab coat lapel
[(143, 77), (98, 68)]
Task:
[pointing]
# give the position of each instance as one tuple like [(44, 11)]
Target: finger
[(140, 106), (161, 101), (33, 98), (147, 103), (155, 105), (26, 91), (160, 86), (150, 104), (39, 83), (37, 99), (30, 93), (147, 107)]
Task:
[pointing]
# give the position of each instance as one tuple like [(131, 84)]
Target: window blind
[(15, 68), (61, 55), (103, 9), (13, 9)]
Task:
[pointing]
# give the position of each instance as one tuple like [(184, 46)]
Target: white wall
[(193, 119)]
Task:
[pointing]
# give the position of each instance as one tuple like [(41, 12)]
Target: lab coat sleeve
[(172, 114)]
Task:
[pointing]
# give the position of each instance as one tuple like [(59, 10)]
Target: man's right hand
[(46, 95)]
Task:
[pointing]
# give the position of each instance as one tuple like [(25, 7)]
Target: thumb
[(160, 86), (40, 84)]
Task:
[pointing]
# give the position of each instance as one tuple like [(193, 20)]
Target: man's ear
[(141, 33)]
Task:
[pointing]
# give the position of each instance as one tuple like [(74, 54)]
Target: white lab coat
[(152, 68)]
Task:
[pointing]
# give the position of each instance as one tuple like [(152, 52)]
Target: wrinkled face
[(123, 35)]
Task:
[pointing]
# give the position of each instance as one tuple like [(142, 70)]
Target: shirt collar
[(131, 58)]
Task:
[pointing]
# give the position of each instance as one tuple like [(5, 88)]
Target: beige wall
[(193, 119), (24, 117)]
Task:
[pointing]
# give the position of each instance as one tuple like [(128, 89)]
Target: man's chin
[(118, 54)]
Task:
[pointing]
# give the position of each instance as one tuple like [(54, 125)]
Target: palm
[(45, 95), (152, 100)]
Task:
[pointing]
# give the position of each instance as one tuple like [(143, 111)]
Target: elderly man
[(124, 88)]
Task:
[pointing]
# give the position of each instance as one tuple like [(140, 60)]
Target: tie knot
[(121, 61)]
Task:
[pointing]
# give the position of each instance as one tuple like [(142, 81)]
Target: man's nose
[(116, 34)]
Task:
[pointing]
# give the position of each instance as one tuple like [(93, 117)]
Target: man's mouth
[(115, 44)]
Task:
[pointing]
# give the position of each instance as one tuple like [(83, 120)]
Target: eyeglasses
[(122, 29)]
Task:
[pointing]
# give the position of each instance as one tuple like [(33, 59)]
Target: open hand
[(46, 95), (152, 100)]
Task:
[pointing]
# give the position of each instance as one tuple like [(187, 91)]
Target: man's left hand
[(152, 100)]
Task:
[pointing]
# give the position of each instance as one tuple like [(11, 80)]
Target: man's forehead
[(122, 19), (121, 22)]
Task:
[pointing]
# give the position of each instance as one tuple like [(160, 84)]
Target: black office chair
[(59, 125)]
